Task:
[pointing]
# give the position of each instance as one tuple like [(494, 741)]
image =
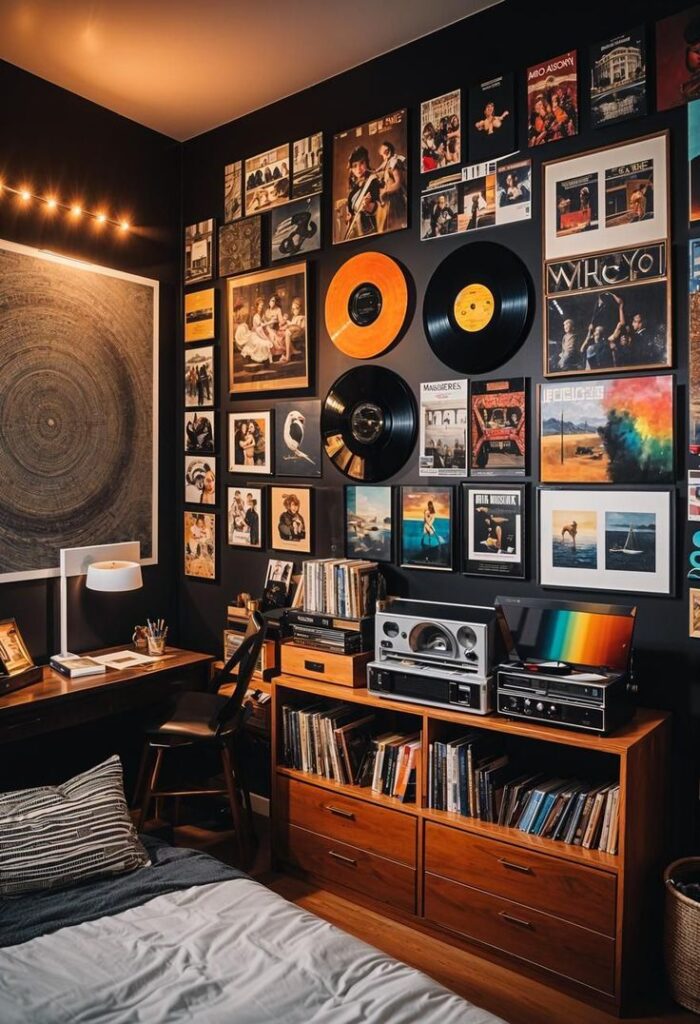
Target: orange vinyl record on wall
[(366, 305)]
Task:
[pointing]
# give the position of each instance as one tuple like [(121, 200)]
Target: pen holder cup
[(156, 645)]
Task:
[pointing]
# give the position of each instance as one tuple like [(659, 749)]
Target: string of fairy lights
[(53, 204)]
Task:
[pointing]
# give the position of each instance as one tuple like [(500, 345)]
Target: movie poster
[(426, 528), (493, 520), (694, 161), (608, 311), (513, 191), (552, 100), (492, 121), (678, 59), (618, 78), (477, 197), (441, 132), (694, 347), (439, 209), (370, 179), (443, 428), (498, 419), (615, 431)]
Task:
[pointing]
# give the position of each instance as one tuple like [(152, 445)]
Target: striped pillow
[(54, 836)]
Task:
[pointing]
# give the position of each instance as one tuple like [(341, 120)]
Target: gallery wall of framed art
[(552, 151)]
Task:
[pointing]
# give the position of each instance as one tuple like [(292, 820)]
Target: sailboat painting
[(630, 541)]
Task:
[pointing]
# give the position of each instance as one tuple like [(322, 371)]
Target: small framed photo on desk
[(14, 656)]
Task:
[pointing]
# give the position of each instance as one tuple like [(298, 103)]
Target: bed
[(190, 939)]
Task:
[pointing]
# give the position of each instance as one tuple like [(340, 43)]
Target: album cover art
[(296, 228), (513, 191), (426, 528), (552, 99), (678, 58), (493, 521), (298, 438), (441, 132), (492, 122), (307, 177), (200, 315), (368, 523), (477, 197), (497, 440), (694, 347), (290, 519), (233, 191), (439, 209), (370, 179), (618, 78), (240, 246), (267, 179), (443, 428), (629, 193), (577, 204)]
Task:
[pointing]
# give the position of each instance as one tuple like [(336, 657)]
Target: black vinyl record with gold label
[(368, 423), (478, 307)]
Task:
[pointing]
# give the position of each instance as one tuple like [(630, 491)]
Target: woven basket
[(682, 935)]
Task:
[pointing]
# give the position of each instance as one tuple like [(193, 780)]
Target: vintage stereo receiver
[(569, 663), (427, 652)]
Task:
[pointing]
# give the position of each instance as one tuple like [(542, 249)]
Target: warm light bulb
[(51, 203), (76, 210), (25, 195), (101, 218), (124, 225)]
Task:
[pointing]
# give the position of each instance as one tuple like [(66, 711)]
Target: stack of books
[(340, 586), (469, 776), (340, 742)]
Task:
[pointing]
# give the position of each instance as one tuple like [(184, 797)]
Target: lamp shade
[(114, 576)]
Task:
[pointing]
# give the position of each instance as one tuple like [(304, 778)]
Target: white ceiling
[(184, 66)]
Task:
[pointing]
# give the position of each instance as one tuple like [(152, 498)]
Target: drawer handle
[(512, 866), (520, 921), (345, 860), (340, 812)]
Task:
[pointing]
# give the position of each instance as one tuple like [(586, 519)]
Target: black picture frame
[(489, 565), (373, 553)]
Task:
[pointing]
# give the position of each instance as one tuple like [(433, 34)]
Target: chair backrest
[(245, 658)]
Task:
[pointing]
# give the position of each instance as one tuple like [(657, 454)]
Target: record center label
[(474, 307), (365, 304), (367, 422)]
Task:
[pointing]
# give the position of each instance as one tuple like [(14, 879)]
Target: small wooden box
[(342, 669)]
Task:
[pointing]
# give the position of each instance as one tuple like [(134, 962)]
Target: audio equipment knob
[(513, 702), (553, 709), (540, 705), (471, 655), (391, 628), (528, 702)]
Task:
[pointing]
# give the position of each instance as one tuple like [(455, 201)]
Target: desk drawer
[(572, 891), (377, 877), (378, 830), (557, 945)]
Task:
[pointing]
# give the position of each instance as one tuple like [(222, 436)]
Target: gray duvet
[(229, 952)]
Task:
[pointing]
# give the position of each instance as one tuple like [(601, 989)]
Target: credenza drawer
[(571, 891), (542, 939), (357, 869), (378, 830)]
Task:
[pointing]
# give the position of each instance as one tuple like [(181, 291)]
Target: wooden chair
[(206, 720)]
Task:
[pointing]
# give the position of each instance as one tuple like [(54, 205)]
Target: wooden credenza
[(582, 920)]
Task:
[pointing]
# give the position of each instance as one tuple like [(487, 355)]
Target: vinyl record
[(368, 423), (366, 305), (478, 307)]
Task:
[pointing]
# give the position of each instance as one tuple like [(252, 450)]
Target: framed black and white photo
[(307, 174), (200, 480), (493, 530), (199, 251), (245, 517), (291, 519), (233, 191), (600, 539), (199, 376), (199, 432), (369, 522), (618, 78), (267, 179), (298, 438), (249, 442), (240, 246)]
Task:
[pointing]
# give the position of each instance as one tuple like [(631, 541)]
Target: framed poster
[(200, 309), (233, 191), (245, 517), (199, 376), (606, 198), (694, 613), (609, 312), (290, 519), (678, 58), (693, 513), (298, 438), (199, 433), (79, 394), (240, 247), (619, 78), (498, 427), (443, 428), (492, 121), (369, 522), (249, 442), (267, 178), (694, 348), (600, 539), (694, 161), (267, 330), (441, 132), (200, 480), (200, 545), (615, 431), (438, 211), (307, 168), (370, 179), (199, 251), (493, 525), (295, 228), (552, 99), (427, 528)]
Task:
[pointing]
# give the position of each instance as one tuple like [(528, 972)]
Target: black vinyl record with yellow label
[(368, 423), (478, 307)]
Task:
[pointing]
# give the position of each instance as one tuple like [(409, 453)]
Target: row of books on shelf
[(467, 776), (340, 586), (341, 742)]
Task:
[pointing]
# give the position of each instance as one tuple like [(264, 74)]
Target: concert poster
[(552, 100)]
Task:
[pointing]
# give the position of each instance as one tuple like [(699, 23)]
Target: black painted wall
[(56, 141), (508, 37)]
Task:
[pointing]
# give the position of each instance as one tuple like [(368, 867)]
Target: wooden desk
[(57, 702)]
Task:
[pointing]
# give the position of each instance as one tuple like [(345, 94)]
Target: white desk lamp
[(110, 568)]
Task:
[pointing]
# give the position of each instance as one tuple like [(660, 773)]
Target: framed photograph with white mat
[(600, 539)]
